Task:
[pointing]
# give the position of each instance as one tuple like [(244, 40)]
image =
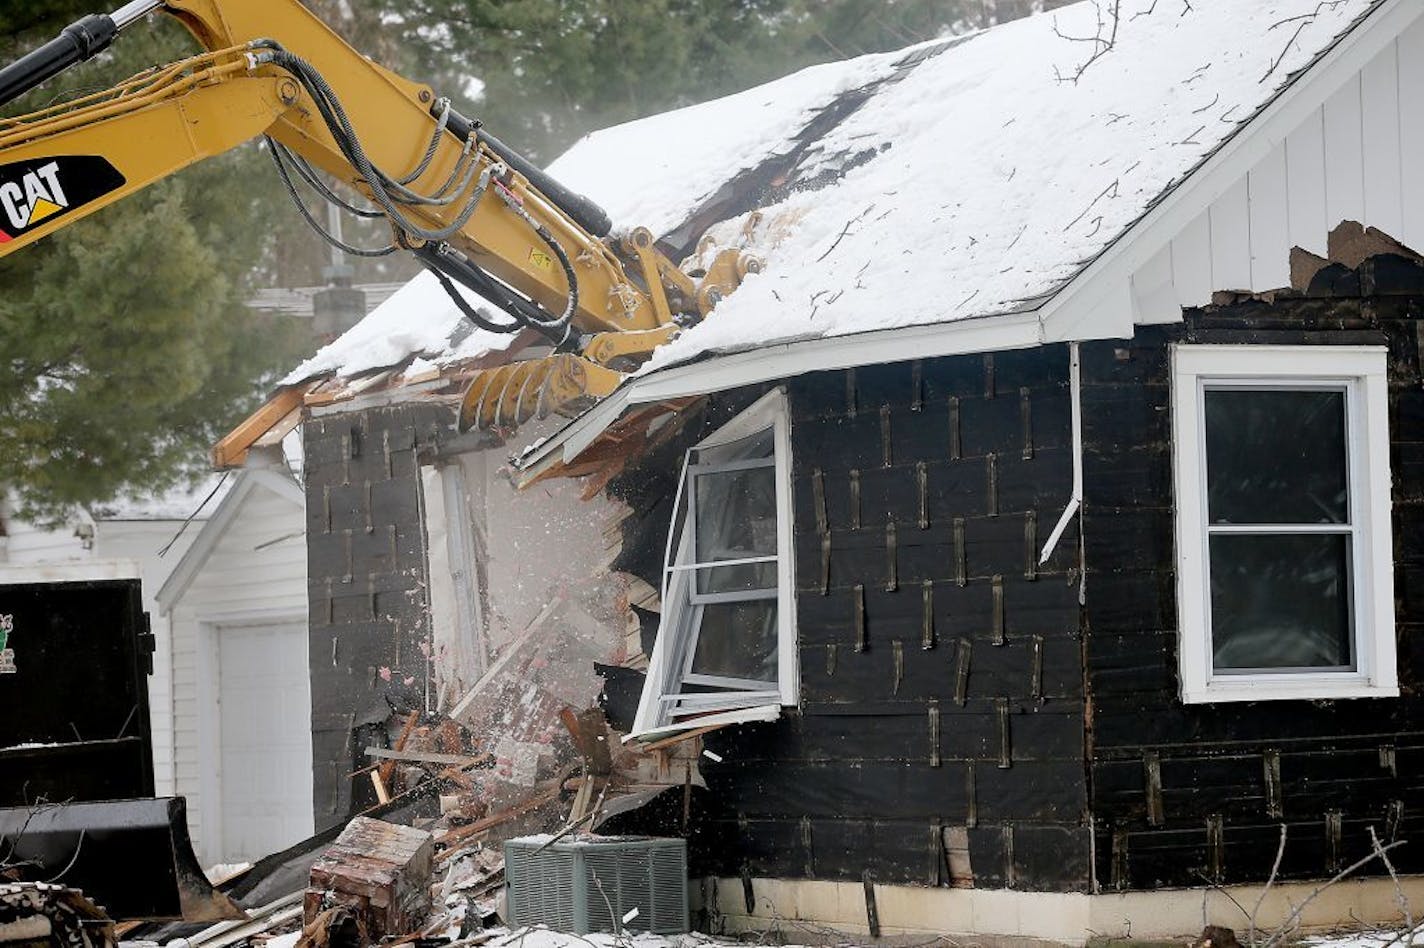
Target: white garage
[(264, 738), (237, 602)]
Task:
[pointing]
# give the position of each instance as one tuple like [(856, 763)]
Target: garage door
[(265, 739)]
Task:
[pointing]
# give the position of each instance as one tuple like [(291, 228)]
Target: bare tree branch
[(1103, 40), (1288, 925), (1270, 880)]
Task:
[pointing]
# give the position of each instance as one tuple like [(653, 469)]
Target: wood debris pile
[(430, 870)]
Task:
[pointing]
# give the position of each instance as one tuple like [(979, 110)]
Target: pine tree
[(128, 350)]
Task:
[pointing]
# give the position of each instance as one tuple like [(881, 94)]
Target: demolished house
[(1027, 550)]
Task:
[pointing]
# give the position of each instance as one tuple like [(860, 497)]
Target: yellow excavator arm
[(475, 212)]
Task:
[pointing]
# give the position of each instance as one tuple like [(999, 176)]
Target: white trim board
[(1358, 372), (217, 526), (85, 572)]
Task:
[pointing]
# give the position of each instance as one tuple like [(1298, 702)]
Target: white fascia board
[(1070, 313), (780, 361), (212, 532), (83, 572), (203, 545), (280, 483), (783, 360), (569, 441)]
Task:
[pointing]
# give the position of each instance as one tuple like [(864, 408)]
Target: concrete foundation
[(802, 909)]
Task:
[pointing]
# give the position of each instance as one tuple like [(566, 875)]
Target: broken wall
[(1185, 794), (369, 625), (436, 587), (940, 734)]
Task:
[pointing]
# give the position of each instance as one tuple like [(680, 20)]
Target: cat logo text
[(35, 197), (36, 192)]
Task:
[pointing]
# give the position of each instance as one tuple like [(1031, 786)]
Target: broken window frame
[(1360, 373), (670, 665)]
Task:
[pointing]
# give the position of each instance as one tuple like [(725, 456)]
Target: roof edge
[(196, 556), (1075, 311), (1019, 330)]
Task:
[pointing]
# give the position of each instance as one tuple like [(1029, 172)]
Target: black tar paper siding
[(941, 666), (1185, 794)]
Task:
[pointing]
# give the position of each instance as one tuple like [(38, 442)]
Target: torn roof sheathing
[(974, 177)]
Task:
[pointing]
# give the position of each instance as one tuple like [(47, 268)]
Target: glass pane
[(1280, 601), (1276, 456), (759, 445), (736, 519), (737, 640)]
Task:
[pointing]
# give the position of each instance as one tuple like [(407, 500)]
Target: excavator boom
[(475, 212)]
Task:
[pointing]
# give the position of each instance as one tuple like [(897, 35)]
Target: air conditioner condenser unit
[(584, 884)]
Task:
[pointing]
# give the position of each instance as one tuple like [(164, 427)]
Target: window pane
[(1280, 601), (759, 445), (1276, 456), (737, 640), (736, 519)]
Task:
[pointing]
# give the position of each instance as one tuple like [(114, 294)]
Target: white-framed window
[(1284, 568), (726, 644)]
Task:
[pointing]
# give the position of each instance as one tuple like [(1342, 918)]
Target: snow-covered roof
[(965, 178), (417, 321), (996, 174)]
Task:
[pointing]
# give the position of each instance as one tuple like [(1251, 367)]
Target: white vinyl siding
[(254, 571), (1347, 160)]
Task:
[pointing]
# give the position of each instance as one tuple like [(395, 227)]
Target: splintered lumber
[(388, 768), (231, 451), (453, 836), (379, 872), (679, 738), (425, 757), (382, 794), (589, 731)]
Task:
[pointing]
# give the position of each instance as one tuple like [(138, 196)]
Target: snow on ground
[(1366, 939)]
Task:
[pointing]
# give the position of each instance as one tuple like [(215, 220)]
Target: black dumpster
[(74, 666)]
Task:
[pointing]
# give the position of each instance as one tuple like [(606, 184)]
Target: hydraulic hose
[(584, 212)]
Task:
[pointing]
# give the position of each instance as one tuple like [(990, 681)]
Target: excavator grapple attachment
[(505, 397)]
